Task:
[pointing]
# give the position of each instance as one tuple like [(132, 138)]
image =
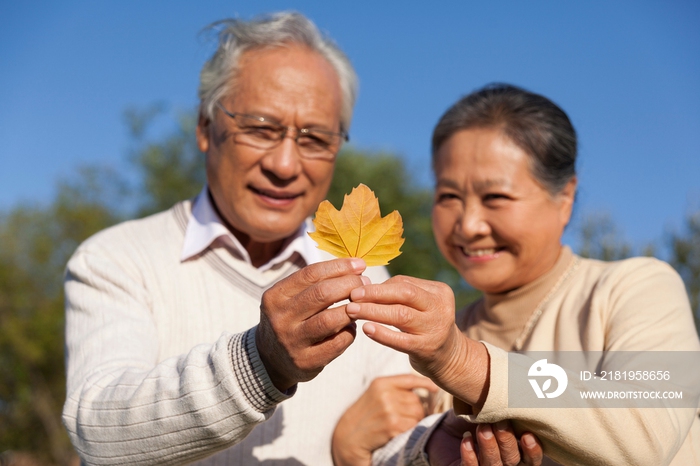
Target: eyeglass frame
[(344, 136)]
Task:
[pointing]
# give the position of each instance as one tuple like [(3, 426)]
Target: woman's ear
[(567, 196), (202, 132)]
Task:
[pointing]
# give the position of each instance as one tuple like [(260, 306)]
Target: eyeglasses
[(261, 133)]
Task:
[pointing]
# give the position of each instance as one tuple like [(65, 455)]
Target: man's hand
[(298, 335), (388, 408), (453, 444)]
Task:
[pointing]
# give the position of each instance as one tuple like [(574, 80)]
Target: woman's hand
[(424, 312), (457, 442), (388, 408)]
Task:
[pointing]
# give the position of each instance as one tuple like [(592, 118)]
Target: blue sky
[(626, 72)]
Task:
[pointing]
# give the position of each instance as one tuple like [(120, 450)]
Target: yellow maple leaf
[(358, 228)]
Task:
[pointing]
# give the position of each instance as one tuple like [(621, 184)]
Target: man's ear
[(567, 196), (202, 132)]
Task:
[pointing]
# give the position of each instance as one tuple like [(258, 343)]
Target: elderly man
[(188, 332)]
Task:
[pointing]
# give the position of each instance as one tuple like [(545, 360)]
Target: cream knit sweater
[(637, 304), (161, 359)]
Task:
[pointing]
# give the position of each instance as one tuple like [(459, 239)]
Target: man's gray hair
[(218, 75)]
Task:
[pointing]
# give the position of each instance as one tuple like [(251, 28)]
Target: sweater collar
[(536, 289), (502, 317)]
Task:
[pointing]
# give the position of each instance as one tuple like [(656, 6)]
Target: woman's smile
[(481, 254)]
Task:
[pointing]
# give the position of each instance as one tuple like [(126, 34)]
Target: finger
[(402, 317), (312, 359), (532, 449), (430, 286), (315, 273), (321, 295), (397, 292), (400, 292), (489, 454), (426, 292), (323, 325), (409, 382), (467, 450), (507, 443), (402, 423), (411, 406), (390, 400), (398, 341)]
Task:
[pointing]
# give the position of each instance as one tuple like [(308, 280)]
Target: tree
[(685, 258), (169, 170), (600, 238), (36, 245)]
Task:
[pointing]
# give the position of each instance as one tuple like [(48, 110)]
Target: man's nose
[(473, 223), (284, 159)]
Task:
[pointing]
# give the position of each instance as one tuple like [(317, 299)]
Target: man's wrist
[(347, 453), (251, 374), (281, 382)]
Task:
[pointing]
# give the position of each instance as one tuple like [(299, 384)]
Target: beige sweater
[(161, 359), (637, 304)]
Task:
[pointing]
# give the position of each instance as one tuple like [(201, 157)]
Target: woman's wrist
[(465, 373)]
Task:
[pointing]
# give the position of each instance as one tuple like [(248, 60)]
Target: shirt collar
[(205, 227)]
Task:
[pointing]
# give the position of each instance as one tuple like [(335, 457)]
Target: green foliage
[(685, 258), (37, 243), (172, 169), (601, 240)]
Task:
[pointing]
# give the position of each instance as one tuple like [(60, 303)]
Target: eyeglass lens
[(257, 132)]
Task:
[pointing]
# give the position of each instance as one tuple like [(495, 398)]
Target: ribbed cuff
[(251, 375)]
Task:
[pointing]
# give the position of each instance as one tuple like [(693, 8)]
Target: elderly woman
[(504, 163)]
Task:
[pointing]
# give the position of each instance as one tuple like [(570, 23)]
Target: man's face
[(265, 195)]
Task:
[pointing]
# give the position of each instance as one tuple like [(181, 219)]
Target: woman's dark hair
[(533, 122)]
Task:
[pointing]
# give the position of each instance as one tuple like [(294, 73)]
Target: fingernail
[(486, 431), (368, 328), (365, 280), (467, 436), (502, 426), (357, 293), (352, 309), (529, 440), (358, 264)]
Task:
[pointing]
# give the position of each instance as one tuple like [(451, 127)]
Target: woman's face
[(492, 219)]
